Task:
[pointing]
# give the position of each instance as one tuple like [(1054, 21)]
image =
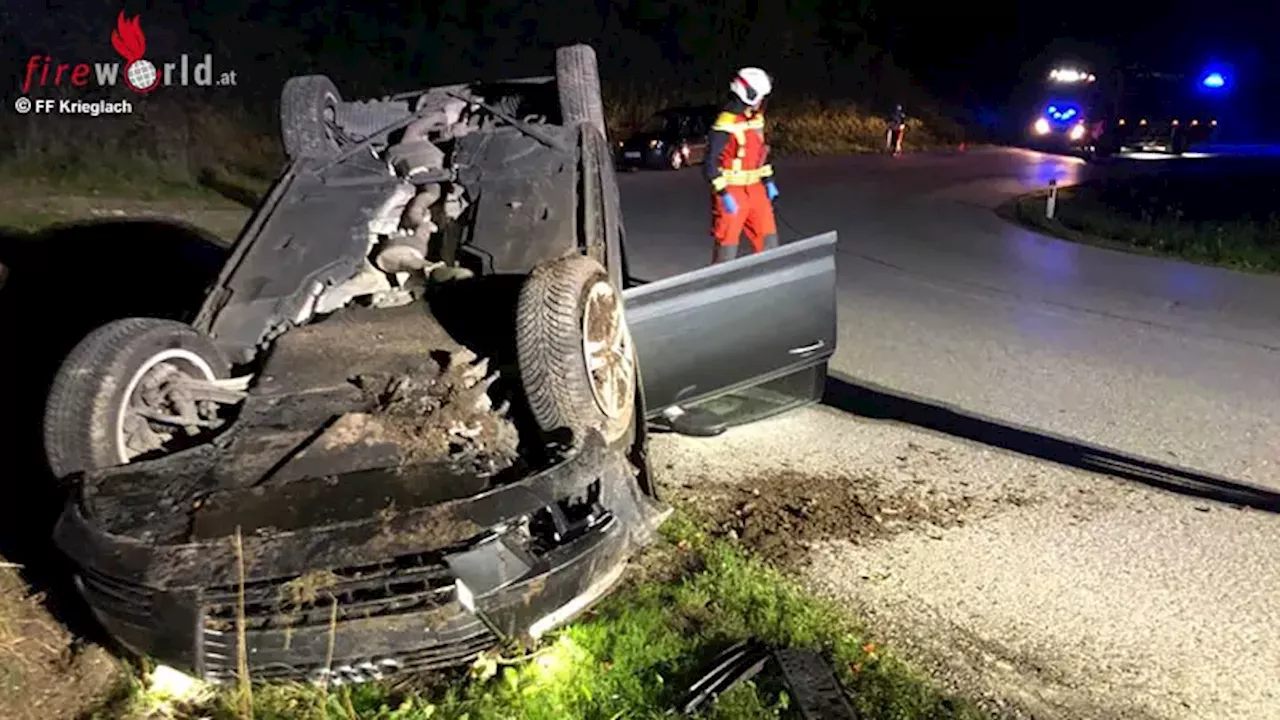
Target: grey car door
[(764, 319)]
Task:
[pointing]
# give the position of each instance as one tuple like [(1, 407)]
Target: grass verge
[(630, 657), (1185, 218), (213, 158), (169, 149)]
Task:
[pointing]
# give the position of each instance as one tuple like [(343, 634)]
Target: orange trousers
[(754, 215)]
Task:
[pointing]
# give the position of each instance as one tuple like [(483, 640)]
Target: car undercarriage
[(409, 420)]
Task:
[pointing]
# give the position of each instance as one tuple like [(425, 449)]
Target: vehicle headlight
[(1041, 127), (654, 143), (1077, 132)]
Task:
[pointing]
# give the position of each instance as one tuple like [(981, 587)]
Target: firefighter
[(897, 129), (738, 170)]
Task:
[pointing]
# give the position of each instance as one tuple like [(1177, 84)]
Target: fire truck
[(1099, 113)]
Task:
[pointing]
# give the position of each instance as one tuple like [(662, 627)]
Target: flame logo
[(128, 39), (139, 75)]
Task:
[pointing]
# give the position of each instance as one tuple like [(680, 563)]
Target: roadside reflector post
[(1051, 202)]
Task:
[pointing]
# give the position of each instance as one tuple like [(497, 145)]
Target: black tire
[(308, 106), (82, 414), (551, 353), (578, 83)]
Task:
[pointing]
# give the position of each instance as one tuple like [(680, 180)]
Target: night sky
[(968, 54), (982, 46)]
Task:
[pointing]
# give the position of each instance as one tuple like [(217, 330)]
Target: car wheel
[(308, 117), (574, 350), (578, 83), (114, 396)]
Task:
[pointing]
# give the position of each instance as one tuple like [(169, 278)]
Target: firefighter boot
[(723, 253)]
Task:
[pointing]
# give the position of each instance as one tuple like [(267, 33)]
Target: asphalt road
[(1039, 589), (940, 298)]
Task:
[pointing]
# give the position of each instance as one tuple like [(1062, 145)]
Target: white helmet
[(751, 85)]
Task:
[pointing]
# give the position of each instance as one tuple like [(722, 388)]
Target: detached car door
[(742, 339)]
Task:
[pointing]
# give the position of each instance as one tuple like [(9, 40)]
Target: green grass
[(123, 177), (797, 126), (632, 656), (168, 150), (27, 219), (1168, 217)]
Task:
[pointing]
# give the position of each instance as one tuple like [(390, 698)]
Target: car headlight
[(1077, 132), (654, 143), (1041, 126)]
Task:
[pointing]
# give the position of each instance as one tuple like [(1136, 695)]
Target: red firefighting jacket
[(736, 152)]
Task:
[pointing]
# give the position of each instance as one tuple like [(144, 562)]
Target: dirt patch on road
[(45, 672), (780, 515)]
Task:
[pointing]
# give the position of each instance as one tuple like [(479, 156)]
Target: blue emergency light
[(1213, 81), (1062, 114)]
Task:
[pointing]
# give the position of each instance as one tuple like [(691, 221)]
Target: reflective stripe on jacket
[(737, 151)]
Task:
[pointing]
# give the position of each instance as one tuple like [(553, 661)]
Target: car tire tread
[(578, 85), (79, 413), (302, 103), (549, 349)]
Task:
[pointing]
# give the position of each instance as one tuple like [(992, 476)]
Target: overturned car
[(409, 420)]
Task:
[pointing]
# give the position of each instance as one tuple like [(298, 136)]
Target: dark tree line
[(815, 48)]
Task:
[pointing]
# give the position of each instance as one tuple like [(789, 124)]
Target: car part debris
[(735, 665), (813, 684)]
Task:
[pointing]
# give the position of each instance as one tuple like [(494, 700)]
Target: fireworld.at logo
[(140, 74)]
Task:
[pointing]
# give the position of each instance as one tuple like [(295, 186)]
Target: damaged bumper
[(412, 590)]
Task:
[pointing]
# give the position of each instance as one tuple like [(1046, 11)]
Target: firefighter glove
[(772, 189), (730, 205)]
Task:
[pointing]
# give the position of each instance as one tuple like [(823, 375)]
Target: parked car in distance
[(673, 138)]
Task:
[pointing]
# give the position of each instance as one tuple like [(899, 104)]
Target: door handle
[(808, 348)]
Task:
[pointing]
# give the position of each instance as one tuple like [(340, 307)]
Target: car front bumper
[(356, 601)]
